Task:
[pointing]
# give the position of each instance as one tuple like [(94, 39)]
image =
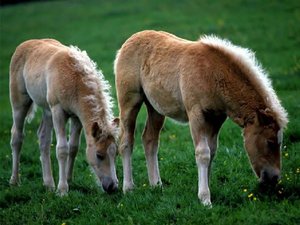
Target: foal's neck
[(244, 114), (92, 111), (243, 105)]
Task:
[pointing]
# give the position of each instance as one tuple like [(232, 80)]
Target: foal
[(201, 83), (65, 83)]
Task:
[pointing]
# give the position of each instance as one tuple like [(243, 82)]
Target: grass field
[(270, 28)]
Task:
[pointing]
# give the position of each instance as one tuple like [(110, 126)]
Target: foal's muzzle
[(109, 185), (269, 177)]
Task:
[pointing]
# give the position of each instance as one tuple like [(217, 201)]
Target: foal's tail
[(31, 112)]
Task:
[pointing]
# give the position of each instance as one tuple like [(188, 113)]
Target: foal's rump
[(36, 67), (29, 63)]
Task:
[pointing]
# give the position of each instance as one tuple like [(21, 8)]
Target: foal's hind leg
[(74, 142), (20, 110), (153, 126), (45, 139), (129, 108)]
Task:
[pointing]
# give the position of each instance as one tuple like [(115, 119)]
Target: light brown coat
[(65, 83), (199, 82)]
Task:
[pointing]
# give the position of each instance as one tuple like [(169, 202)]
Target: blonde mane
[(94, 79), (245, 59)]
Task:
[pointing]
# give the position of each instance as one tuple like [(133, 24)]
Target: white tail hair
[(31, 112)]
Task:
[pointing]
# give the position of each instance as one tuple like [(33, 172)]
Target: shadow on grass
[(14, 197), (278, 193)]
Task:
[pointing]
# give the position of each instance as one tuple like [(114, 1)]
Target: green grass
[(270, 28)]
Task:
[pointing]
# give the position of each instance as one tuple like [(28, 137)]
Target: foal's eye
[(100, 156)]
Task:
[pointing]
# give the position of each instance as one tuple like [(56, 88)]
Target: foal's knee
[(126, 144), (125, 148), (203, 155), (16, 139), (62, 152)]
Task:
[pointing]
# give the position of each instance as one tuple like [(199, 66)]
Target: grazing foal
[(200, 82), (65, 83)]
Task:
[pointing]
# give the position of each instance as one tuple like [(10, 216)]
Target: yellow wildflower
[(172, 136), (120, 205)]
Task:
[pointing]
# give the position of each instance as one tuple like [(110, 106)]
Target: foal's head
[(262, 141), (101, 155)]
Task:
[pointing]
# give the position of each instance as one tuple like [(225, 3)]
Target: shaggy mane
[(245, 59), (94, 79)]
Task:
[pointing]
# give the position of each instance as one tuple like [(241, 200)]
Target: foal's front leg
[(59, 121), (202, 153)]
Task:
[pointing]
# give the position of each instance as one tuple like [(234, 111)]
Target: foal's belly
[(166, 103), (37, 89)]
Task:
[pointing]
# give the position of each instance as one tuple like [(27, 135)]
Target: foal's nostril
[(265, 175), (269, 178), (111, 188), (109, 185), (275, 179)]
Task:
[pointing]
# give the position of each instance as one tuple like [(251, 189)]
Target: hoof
[(49, 185), (156, 183), (205, 199), (207, 203), (62, 193), (62, 190), (14, 181), (128, 187), (50, 188)]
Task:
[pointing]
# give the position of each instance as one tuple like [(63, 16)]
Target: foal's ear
[(96, 131), (265, 117), (116, 122)]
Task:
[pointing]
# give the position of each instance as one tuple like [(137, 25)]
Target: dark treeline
[(12, 2)]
